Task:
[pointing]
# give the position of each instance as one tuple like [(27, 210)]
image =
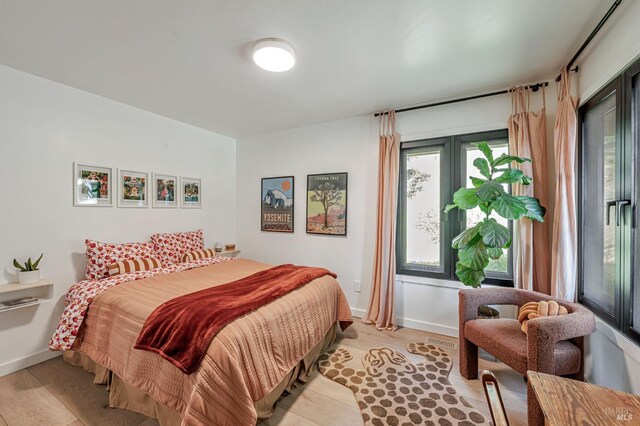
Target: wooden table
[(570, 402)]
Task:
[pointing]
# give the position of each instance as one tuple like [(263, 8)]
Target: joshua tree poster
[(327, 204)]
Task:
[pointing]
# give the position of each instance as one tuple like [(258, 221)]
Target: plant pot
[(28, 277)]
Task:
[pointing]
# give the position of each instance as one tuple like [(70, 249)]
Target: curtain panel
[(564, 254), (382, 311), (527, 138)]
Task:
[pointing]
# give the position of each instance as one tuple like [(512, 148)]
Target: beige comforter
[(245, 360)]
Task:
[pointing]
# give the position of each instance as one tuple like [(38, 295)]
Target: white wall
[(44, 128), (339, 146), (616, 46), (351, 145), (613, 360)]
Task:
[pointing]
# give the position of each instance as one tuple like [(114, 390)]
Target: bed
[(248, 365)]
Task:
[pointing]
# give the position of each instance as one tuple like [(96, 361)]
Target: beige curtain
[(564, 249), (527, 138), (382, 311)]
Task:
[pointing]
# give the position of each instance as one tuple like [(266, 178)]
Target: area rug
[(391, 390)]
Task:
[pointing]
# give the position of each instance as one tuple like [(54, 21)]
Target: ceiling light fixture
[(274, 54)]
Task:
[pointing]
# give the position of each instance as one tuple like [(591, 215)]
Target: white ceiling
[(191, 60)]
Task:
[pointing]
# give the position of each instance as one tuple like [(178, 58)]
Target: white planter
[(29, 277)]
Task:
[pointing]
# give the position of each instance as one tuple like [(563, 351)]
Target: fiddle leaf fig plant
[(479, 244)]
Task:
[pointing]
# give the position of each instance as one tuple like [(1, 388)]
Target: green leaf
[(474, 256), (449, 207), (483, 166), (510, 176), (486, 150), (490, 190), (35, 264), (18, 266), (526, 180), (477, 182), (29, 265), (467, 237), (466, 198), (468, 276), (534, 210), (507, 159), (493, 233), (495, 253), (506, 246), (509, 207), (485, 208)]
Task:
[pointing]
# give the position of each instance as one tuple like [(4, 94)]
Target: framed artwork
[(92, 185), (191, 193), (276, 204), (133, 189), (327, 204), (165, 189)]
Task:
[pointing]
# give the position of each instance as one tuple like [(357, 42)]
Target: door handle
[(619, 205)]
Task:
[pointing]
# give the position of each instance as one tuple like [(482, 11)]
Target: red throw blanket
[(181, 329)]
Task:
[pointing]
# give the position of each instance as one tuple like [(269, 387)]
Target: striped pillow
[(197, 254), (134, 265)]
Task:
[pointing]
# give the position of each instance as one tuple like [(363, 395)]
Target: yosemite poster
[(276, 213)]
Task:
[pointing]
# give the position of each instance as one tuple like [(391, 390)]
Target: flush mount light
[(274, 54)]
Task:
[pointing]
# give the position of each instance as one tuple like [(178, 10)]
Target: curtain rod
[(533, 87), (598, 27)]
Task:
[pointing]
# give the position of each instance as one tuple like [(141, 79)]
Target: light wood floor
[(55, 393)]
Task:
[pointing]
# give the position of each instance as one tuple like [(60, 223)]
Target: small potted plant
[(28, 273)]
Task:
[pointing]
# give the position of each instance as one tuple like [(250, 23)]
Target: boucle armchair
[(552, 345)]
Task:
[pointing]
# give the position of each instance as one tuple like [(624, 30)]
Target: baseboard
[(416, 324), (27, 361), (360, 313)]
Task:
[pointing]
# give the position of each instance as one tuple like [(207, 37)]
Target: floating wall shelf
[(42, 290)]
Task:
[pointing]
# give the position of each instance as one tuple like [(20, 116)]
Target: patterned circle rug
[(391, 390)]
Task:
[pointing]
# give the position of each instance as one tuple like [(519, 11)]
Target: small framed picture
[(133, 189), (327, 204), (191, 193), (276, 204), (165, 189), (92, 186)]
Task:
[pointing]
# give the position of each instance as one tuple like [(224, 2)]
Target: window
[(608, 190), (430, 172)]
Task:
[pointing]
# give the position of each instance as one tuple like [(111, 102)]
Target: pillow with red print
[(101, 255), (170, 247)]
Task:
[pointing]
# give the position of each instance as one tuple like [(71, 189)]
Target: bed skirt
[(125, 396)]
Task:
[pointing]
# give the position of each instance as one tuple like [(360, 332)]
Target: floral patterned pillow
[(171, 247), (101, 255)]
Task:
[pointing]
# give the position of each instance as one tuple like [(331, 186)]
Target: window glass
[(599, 195), (424, 233)]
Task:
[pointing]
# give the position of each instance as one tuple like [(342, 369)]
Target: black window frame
[(627, 141), (452, 174)]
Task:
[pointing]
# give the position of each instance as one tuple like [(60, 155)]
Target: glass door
[(603, 200), (608, 193), (632, 132)]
